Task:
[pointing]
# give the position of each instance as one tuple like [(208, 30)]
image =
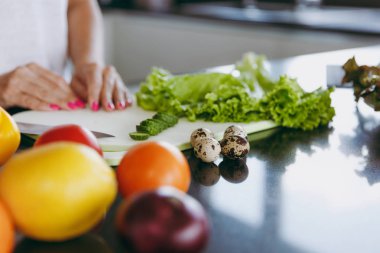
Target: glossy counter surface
[(316, 191)]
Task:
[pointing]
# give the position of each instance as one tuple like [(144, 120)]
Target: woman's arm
[(94, 82), (85, 32)]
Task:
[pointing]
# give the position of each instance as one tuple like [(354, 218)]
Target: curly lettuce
[(290, 106), (251, 95)]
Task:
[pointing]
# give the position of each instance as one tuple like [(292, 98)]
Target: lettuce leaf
[(290, 106), (251, 95)]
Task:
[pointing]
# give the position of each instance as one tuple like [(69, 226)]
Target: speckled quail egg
[(234, 147), (207, 149), (235, 130), (199, 134)]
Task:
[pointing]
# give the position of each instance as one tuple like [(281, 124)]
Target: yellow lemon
[(57, 191), (9, 136)]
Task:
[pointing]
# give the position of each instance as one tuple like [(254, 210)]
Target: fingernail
[(95, 106), (80, 103), (129, 102), (121, 105), (110, 106), (54, 107), (72, 105)]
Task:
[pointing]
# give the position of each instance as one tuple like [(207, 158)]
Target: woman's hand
[(100, 86), (34, 87)]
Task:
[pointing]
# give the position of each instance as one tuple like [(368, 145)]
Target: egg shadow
[(234, 170), (206, 174)]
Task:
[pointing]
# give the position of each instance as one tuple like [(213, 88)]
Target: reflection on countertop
[(302, 188), (363, 21)]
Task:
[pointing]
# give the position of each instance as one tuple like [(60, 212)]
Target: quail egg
[(199, 134), (207, 149), (234, 147), (235, 130)]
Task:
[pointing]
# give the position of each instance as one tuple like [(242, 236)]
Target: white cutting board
[(121, 123)]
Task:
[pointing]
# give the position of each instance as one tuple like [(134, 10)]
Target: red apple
[(165, 221), (70, 132)]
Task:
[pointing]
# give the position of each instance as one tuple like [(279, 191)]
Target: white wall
[(135, 43)]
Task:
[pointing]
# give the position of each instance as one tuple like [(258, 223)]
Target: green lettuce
[(290, 106), (248, 95)]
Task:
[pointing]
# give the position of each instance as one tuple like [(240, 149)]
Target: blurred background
[(189, 35)]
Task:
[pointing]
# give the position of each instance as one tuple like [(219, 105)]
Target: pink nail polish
[(110, 106), (54, 107), (95, 106), (129, 102), (80, 103), (121, 105), (72, 105)]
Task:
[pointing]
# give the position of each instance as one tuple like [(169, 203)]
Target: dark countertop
[(360, 21), (301, 192)]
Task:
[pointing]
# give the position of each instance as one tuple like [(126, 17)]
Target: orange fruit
[(150, 165), (6, 231)]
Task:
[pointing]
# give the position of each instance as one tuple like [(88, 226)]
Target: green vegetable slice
[(138, 136), (149, 129), (153, 126), (152, 123), (163, 124), (170, 119)]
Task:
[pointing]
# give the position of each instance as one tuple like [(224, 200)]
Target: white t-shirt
[(33, 31)]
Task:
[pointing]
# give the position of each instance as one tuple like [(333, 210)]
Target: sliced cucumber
[(154, 123), (154, 126), (149, 129), (139, 136), (168, 118)]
